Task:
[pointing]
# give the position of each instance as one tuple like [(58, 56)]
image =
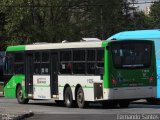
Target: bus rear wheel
[(80, 98), (109, 104), (124, 104), (20, 97), (68, 98)]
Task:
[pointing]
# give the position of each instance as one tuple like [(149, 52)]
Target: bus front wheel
[(20, 97), (80, 98)]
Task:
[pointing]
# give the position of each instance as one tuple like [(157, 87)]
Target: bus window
[(91, 68), (8, 64), (41, 63), (65, 62), (37, 62), (79, 61), (79, 68), (65, 68), (37, 57), (37, 68), (131, 54), (18, 63), (91, 55), (45, 63), (91, 61), (79, 55), (100, 58), (45, 68), (45, 56), (18, 57), (65, 56), (100, 55)]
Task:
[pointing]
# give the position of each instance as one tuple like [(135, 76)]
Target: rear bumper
[(130, 93)]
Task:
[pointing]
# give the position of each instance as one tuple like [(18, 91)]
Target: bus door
[(54, 73), (29, 74)]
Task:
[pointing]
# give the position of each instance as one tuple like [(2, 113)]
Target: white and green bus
[(76, 73)]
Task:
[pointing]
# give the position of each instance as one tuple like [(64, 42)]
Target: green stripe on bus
[(16, 48)]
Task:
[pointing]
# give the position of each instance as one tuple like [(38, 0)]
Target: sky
[(143, 6)]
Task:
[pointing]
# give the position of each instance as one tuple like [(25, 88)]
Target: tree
[(155, 14), (28, 21)]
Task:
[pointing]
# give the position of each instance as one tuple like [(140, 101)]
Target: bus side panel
[(86, 82), (158, 78), (10, 87)]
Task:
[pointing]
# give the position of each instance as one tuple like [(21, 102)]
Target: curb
[(26, 115), (17, 116)]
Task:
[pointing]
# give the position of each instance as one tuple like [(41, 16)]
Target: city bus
[(113, 73), (153, 34)]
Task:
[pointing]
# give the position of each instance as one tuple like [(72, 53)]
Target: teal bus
[(113, 73), (152, 34)]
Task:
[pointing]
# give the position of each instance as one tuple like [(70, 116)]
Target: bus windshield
[(131, 54)]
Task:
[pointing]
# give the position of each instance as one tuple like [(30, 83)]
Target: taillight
[(151, 79), (114, 81)]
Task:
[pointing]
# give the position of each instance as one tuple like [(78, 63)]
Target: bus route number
[(90, 81)]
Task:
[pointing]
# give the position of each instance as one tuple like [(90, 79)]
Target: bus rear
[(132, 70), (152, 34)]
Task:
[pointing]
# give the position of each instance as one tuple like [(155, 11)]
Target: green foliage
[(155, 15), (29, 21)]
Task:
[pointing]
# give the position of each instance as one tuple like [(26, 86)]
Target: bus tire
[(68, 97), (80, 98), (153, 101), (109, 104), (20, 97), (59, 102), (124, 104)]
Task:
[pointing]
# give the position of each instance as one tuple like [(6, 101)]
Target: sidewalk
[(10, 113), (15, 116)]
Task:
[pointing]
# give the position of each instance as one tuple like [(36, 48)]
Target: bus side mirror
[(99, 71)]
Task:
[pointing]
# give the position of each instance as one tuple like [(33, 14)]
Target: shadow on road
[(135, 104), (90, 106)]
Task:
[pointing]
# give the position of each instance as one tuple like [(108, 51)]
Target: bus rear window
[(131, 54)]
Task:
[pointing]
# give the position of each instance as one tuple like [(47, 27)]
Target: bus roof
[(137, 34), (56, 46)]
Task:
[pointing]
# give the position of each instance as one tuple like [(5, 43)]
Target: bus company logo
[(41, 96), (41, 80)]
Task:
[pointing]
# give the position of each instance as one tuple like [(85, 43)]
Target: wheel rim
[(68, 98), (80, 97), (20, 95)]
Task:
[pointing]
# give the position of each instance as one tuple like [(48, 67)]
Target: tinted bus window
[(131, 54), (79, 55), (8, 69), (18, 63)]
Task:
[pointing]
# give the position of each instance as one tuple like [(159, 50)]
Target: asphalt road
[(46, 110)]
